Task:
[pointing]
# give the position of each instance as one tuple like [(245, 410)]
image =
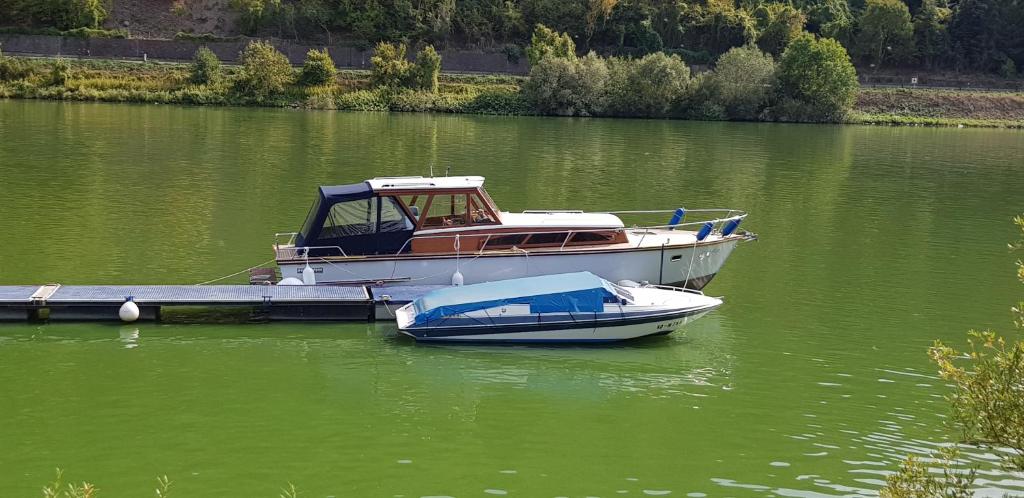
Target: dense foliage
[(265, 71), (205, 67), (318, 68), (742, 82), (962, 34), (815, 80), (61, 14), (984, 35), (392, 69)]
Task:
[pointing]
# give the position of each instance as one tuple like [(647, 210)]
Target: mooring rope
[(236, 273)]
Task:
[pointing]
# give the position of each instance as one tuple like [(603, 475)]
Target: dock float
[(102, 302)]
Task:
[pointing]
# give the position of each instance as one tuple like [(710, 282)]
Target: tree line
[(975, 35)]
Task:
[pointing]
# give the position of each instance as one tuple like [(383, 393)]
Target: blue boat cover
[(566, 292)]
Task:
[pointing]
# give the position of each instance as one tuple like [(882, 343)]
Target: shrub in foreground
[(318, 68), (265, 71)]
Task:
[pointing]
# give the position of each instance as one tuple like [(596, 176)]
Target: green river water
[(812, 380)]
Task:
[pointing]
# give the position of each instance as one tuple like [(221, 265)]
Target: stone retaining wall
[(182, 50)]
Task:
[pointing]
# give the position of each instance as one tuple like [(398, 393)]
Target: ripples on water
[(811, 381)]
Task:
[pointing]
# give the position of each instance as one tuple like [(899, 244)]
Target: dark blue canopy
[(329, 196), (340, 193)]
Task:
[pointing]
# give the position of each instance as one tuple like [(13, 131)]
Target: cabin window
[(506, 240), (415, 203), (392, 218), (350, 218), (446, 210), (585, 237), (478, 211), (547, 238)]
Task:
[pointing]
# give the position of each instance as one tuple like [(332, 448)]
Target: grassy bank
[(168, 83), (932, 107)]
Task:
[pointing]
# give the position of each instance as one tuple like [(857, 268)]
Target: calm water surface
[(811, 381)]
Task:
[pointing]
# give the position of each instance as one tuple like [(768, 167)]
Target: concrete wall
[(182, 50)]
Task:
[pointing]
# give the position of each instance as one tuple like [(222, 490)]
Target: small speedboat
[(568, 307)]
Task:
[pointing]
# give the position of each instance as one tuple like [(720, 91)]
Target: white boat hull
[(654, 311), (582, 335), (681, 265)]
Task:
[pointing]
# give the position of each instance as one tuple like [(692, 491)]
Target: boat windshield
[(623, 293)]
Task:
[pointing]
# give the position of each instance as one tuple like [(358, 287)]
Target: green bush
[(390, 67), (647, 87), (779, 24), (95, 33), (427, 69), (790, 110), (60, 72), (265, 71), (817, 76), (205, 68), (501, 103), (547, 42), (362, 100), (743, 80), (412, 101), (568, 87), (204, 37), (199, 95), (14, 69), (318, 68)]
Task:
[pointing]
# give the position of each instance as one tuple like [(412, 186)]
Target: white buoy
[(290, 281), (308, 276), (457, 278), (129, 311)]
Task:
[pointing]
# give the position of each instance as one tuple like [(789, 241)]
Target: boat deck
[(300, 302)]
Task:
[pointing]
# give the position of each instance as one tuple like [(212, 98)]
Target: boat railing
[(717, 224), (287, 250), (677, 289)]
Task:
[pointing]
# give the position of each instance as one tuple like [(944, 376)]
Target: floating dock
[(299, 302)]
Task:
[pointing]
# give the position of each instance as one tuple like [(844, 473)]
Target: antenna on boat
[(446, 170), (431, 169)]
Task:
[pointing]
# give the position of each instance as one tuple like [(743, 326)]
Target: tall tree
[(778, 24), (819, 74), (930, 35), (886, 31)]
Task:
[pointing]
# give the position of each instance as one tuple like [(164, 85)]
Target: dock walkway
[(102, 302)]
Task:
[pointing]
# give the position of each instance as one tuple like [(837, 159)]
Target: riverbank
[(935, 107), (168, 83)]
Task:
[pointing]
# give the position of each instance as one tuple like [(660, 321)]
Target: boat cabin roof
[(385, 183)]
